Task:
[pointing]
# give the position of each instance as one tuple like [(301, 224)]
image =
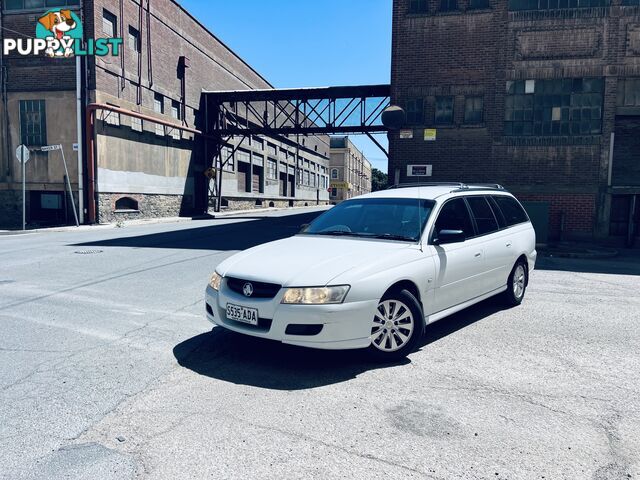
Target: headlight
[(215, 281), (315, 295)]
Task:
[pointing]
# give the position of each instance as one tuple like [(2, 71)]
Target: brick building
[(143, 169), (350, 171), (542, 96)]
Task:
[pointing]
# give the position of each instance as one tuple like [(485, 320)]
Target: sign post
[(22, 154), (50, 148)]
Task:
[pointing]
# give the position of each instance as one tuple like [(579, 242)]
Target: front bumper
[(344, 326)]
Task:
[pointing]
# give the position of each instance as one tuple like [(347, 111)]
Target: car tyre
[(517, 284), (398, 326)]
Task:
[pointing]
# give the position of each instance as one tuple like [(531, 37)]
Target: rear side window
[(511, 210), (455, 216), (485, 219)]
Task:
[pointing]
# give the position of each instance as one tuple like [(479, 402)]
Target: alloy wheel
[(393, 325), (519, 281)]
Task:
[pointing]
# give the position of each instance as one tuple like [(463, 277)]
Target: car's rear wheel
[(397, 327), (516, 284)]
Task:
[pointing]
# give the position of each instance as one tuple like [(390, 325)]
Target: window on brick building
[(228, 160), (629, 92), (448, 5), (418, 6), (415, 111), (37, 4), (334, 173), (555, 4), (175, 114), (111, 118), (134, 39), (478, 4), (444, 111), (136, 124), (158, 107), (473, 110), (631, 2), (33, 123), (109, 23), (563, 106), (272, 169)]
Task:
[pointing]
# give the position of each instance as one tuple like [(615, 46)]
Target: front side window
[(562, 106), (33, 124), (444, 111), (381, 218), (473, 110), (455, 216), (485, 219)]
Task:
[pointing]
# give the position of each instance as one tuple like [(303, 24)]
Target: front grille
[(260, 289)]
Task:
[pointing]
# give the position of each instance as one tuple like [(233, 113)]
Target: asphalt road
[(109, 370)]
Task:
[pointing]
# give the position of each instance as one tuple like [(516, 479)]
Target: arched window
[(126, 203), (334, 173)]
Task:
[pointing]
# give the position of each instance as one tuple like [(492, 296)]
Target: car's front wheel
[(398, 325)]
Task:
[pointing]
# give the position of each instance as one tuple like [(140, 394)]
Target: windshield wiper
[(336, 233), (392, 236)]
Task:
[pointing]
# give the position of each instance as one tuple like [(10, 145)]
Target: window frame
[(415, 116), (473, 98), (133, 32), (113, 20), (42, 127), (435, 110), (448, 6)]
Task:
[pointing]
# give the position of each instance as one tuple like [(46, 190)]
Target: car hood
[(307, 260)]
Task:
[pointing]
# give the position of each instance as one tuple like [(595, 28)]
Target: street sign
[(419, 170), (50, 148), (22, 153), (430, 134), (405, 134)]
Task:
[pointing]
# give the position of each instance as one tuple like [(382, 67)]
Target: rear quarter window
[(512, 211)]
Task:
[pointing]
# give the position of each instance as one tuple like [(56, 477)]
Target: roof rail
[(428, 184), (479, 186)]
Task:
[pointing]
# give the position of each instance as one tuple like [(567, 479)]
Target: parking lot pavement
[(108, 369)]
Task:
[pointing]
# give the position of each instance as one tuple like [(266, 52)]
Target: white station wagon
[(374, 270)]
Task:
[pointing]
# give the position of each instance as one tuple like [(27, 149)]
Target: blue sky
[(305, 43)]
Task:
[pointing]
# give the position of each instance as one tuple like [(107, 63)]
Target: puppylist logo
[(59, 34)]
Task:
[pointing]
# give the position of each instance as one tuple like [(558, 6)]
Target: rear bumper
[(344, 326)]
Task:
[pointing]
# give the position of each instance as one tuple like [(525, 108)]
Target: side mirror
[(303, 227), (449, 236)]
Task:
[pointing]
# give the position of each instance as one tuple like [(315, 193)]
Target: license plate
[(242, 314)]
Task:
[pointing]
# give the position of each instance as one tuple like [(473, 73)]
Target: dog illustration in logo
[(58, 23)]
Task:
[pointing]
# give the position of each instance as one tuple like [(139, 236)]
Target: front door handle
[(477, 254), (508, 244)]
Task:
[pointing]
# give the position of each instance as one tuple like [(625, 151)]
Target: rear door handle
[(477, 254), (508, 244)]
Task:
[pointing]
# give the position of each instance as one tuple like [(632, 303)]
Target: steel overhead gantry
[(280, 113)]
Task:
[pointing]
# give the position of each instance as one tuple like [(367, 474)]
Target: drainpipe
[(79, 139), (91, 149)]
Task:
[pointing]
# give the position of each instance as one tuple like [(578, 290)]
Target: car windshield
[(384, 218)]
